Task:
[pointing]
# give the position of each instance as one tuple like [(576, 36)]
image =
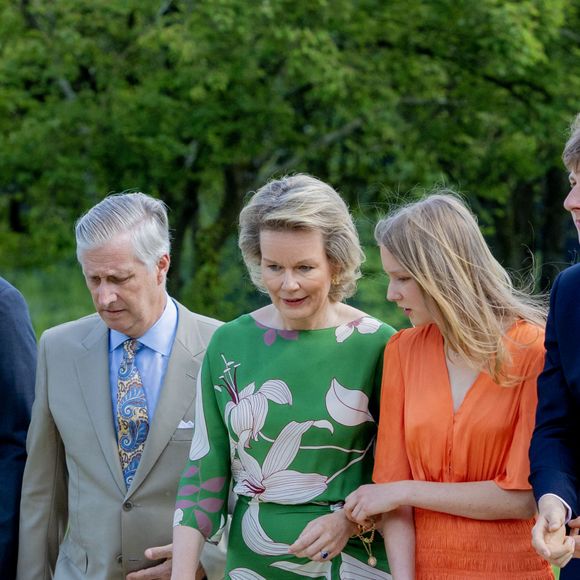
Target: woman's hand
[(324, 538), (370, 500)]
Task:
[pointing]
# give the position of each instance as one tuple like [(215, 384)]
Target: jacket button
[(128, 506), (120, 559)]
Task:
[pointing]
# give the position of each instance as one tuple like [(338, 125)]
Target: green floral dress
[(290, 417)]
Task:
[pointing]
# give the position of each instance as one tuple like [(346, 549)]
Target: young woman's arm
[(481, 500), (398, 530)]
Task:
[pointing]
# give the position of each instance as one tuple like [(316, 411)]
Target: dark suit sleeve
[(17, 369), (556, 439)]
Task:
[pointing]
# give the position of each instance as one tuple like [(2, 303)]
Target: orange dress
[(421, 437)]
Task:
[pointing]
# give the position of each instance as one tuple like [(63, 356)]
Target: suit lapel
[(93, 373), (177, 393)]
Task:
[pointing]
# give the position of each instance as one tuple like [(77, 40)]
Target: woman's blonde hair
[(302, 202), (471, 296)]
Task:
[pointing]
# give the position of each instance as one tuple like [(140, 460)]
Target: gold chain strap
[(367, 541)]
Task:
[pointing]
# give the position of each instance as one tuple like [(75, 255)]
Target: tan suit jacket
[(78, 521)]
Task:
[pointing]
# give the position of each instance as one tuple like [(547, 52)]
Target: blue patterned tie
[(132, 414)]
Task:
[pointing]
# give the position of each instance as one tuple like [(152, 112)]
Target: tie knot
[(131, 347)]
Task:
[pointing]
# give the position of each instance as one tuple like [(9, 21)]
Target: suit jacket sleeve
[(554, 447), (44, 508), (17, 365)]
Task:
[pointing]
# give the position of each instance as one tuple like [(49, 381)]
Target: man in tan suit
[(113, 417)]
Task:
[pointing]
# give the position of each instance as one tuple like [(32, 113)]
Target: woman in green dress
[(287, 402)]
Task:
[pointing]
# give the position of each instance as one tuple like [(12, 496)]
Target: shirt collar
[(159, 337)]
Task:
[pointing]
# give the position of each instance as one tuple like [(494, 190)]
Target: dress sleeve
[(386, 333), (391, 461), (517, 465), (202, 495)]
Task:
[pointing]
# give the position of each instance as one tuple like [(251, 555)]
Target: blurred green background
[(201, 102)]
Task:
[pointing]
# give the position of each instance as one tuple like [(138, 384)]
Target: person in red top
[(457, 405)]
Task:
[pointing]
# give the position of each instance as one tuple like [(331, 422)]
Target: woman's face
[(297, 275), (404, 291)]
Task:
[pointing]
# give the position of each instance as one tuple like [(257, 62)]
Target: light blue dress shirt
[(151, 359)]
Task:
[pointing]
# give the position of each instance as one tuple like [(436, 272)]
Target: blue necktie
[(132, 414)]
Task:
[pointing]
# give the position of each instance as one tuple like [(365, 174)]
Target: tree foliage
[(200, 102)]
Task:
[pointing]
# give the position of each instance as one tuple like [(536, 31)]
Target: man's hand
[(574, 526), (161, 571), (549, 534)]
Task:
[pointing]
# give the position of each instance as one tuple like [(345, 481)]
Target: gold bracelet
[(367, 542)]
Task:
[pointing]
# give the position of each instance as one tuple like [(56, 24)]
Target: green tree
[(200, 102)]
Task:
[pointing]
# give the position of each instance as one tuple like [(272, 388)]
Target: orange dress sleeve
[(391, 462), (531, 361)]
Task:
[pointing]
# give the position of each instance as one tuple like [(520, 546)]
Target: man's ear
[(162, 268)]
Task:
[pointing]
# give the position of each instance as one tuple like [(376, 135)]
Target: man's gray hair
[(141, 216)]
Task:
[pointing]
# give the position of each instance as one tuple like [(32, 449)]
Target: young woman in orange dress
[(457, 405)]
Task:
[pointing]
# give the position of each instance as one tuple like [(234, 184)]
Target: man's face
[(128, 296), (572, 201)]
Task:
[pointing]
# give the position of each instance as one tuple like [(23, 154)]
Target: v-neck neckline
[(476, 381), (473, 384), (448, 387)]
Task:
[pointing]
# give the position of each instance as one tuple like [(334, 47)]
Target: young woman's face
[(404, 291)]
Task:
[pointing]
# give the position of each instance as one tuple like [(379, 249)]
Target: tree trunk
[(183, 214)]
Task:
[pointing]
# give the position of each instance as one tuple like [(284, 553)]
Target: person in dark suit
[(555, 447), (112, 420), (17, 367)]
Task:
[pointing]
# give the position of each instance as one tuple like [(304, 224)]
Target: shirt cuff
[(568, 508)]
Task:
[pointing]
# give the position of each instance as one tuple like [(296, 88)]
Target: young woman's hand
[(371, 500)]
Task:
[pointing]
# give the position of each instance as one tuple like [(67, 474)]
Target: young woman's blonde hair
[(471, 296), (302, 202)]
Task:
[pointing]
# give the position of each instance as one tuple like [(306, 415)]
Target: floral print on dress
[(204, 507), (350, 569), (272, 333), (286, 416), (256, 538), (245, 574), (260, 543), (347, 406), (247, 409), (272, 481), (364, 325)]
